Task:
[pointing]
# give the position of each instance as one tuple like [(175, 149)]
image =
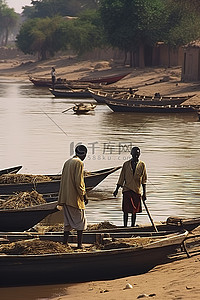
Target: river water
[(36, 134)]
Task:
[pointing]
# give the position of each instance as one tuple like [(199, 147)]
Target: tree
[(52, 8), (8, 19), (86, 32), (130, 24), (39, 36)]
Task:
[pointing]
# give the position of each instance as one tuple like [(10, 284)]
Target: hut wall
[(159, 56), (190, 64)]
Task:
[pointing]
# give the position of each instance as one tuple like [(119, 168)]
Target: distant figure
[(53, 77), (132, 179), (157, 95), (131, 91), (72, 195)]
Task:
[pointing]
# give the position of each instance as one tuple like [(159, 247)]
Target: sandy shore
[(179, 279), (166, 81)]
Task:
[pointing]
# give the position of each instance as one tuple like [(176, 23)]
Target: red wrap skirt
[(131, 202)]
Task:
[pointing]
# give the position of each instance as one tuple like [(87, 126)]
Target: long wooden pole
[(152, 222)]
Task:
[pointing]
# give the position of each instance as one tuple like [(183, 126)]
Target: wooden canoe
[(117, 106), (75, 93), (133, 99), (82, 108), (24, 218), (46, 82), (92, 179), (87, 266), (12, 170)]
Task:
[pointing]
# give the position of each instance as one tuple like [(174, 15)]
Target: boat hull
[(70, 94), (116, 107), (24, 219), (50, 187), (86, 266)]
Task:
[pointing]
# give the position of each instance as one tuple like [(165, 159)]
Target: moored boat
[(62, 82), (131, 98), (92, 179), (70, 93), (87, 265), (22, 219), (119, 106)]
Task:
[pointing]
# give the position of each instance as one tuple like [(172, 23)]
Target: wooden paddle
[(67, 109), (147, 210)]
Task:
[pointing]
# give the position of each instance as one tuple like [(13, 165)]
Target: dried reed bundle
[(33, 246), (23, 178), (102, 225), (22, 200)]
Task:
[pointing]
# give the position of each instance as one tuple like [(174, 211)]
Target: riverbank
[(166, 81), (178, 279)]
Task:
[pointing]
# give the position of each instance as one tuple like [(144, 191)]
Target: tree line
[(124, 24)]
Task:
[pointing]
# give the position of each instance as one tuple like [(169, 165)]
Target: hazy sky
[(17, 4)]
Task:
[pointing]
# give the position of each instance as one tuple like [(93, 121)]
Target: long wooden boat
[(118, 106), (24, 218), (92, 179), (46, 82), (11, 170), (73, 93), (86, 266), (127, 98), (107, 79)]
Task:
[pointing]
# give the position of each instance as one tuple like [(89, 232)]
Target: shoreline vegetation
[(178, 279)]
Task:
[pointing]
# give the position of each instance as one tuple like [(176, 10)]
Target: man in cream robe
[(72, 195)]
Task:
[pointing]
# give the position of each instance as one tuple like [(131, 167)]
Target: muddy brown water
[(36, 134)]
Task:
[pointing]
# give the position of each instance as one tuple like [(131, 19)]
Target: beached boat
[(88, 265), (92, 179), (70, 93), (11, 170), (131, 98), (107, 79), (62, 82), (22, 219), (118, 106)]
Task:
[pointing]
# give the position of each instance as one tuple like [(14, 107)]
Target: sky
[(17, 4)]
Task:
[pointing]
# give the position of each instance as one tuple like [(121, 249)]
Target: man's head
[(81, 151), (135, 152)]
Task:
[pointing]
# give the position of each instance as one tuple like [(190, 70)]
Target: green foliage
[(40, 36), (129, 24), (182, 23), (51, 8), (87, 32)]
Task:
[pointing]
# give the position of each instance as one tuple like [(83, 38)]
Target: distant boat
[(70, 93), (82, 108), (46, 82), (119, 106), (135, 99)]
